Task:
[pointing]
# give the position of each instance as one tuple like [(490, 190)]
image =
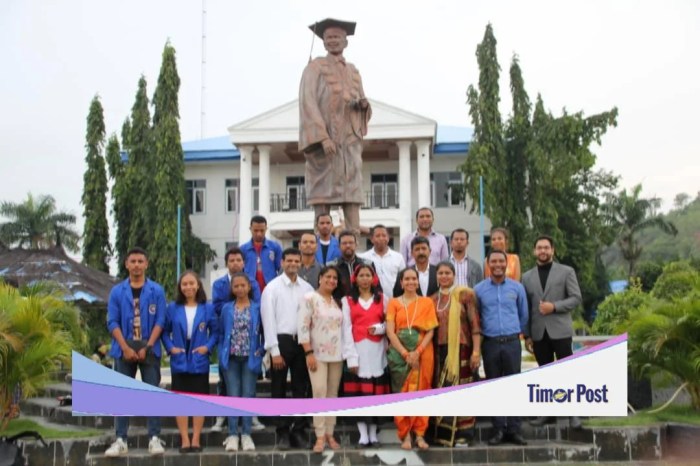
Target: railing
[(283, 202)]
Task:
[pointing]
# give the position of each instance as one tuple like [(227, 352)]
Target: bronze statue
[(334, 114)]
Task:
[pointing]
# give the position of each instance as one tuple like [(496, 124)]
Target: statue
[(334, 114)]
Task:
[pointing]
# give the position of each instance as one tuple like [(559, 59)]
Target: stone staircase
[(555, 443)]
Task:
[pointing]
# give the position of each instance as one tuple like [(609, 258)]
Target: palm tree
[(664, 338), (628, 215), (37, 331), (36, 223)]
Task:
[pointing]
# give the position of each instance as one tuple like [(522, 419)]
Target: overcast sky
[(640, 56)]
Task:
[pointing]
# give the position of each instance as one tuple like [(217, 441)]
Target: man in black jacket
[(347, 261), (427, 273)]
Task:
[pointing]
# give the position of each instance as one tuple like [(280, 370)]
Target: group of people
[(335, 322)]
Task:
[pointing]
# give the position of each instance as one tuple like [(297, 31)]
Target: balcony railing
[(283, 202)]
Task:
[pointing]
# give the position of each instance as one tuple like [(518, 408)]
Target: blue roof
[(449, 140), (218, 148)]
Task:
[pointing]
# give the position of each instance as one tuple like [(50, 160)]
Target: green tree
[(664, 339), (538, 171), (614, 313), (140, 171), (629, 214), (96, 248), (121, 207), (36, 223), (677, 281), (170, 170), (37, 331)]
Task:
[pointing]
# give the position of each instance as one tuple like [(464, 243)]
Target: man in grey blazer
[(468, 272), (552, 294)]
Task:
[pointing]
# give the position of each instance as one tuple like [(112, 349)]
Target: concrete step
[(478, 454)]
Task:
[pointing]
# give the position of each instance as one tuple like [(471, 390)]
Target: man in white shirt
[(438, 243), (468, 272), (279, 306), (387, 262)]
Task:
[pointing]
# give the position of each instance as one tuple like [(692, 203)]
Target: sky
[(589, 56)]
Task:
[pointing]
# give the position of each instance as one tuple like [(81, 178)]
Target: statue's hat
[(319, 27)]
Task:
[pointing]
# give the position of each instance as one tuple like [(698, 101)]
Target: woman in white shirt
[(327, 340), (365, 308)]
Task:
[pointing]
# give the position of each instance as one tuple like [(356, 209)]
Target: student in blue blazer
[(241, 349), (190, 335)]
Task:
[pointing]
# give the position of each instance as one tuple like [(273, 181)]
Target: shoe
[(516, 439), (118, 448), (197, 449), (231, 443), (375, 444), (184, 450), (363, 445), (155, 446), (497, 438), (257, 425), (541, 421), (575, 423), (298, 440), (247, 443), (283, 442), (219, 424)]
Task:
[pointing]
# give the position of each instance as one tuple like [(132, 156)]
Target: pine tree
[(120, 201), (96, 248), (139, 172), (169, 172)]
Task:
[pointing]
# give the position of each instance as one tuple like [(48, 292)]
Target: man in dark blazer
[(552, 294), (427, 273)]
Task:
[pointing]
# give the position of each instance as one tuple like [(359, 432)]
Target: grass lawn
[(674, 413), (19, 425)]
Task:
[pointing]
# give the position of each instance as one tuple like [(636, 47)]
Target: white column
[(404, 188), (423, 170), (264, 181), (245, 187)]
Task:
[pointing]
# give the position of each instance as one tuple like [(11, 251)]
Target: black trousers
[(502, 356), (547, 348), (293, 355)]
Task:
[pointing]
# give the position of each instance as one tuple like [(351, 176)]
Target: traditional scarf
[(453, 326)]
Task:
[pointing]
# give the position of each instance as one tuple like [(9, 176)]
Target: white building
[(409, 162)]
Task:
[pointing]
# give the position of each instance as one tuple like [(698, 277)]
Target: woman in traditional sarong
[(410, 323), (457, 347), (366, 309), (499, 240)]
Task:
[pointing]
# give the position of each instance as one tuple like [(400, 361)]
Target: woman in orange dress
[(499, 240), (410, 323)]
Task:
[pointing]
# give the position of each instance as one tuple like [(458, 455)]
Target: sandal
[(421, 443), (332, 442), (319, 445), (406, 443)]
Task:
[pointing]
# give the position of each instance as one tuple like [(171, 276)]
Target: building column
[(264, 181), (423, 170), (404, 188), (245, 186)]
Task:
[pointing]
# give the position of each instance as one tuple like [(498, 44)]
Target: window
[(256, 195), (385, 191), (296, 193), (196, 196), (230, 244), (231, 195), (446, 189)]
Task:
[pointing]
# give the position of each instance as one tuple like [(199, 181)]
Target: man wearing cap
[(334, 114)]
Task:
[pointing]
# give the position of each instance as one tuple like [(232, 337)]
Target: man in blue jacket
[(221, 289), (328, 247), (135, 319), (262, 256)]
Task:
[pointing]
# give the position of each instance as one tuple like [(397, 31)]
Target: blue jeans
[(150, 374), (240, 382)]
